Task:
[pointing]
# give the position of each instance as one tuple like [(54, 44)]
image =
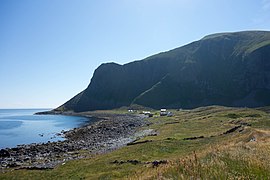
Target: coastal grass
[(217, 154)]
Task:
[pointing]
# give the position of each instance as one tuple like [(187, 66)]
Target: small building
[(148, 113), (163, 112)]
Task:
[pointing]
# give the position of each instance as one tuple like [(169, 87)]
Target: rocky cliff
[(231, 69)]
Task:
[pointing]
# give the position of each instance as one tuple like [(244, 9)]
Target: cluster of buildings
[(163, 112)]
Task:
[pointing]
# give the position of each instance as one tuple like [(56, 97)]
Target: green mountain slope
[(230, 69)]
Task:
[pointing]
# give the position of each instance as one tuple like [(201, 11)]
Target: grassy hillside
[(229, 69), (212, 142)]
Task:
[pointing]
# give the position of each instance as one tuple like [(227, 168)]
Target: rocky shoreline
[(108, 132)]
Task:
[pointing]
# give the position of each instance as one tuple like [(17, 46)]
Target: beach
[(109, 131)]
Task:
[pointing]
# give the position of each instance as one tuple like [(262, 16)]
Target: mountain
[(231, 69)]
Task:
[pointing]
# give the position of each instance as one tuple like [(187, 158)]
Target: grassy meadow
[(212, 142)]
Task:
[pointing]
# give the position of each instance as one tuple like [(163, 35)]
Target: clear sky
[(50, 49)]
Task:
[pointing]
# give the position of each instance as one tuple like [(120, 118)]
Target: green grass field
[(241, 154)]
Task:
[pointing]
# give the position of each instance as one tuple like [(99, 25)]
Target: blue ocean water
[(21, 126)]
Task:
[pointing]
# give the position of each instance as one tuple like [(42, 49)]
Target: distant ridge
[(231, 69)]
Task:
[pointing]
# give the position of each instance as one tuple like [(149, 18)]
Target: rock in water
[(4, 153)]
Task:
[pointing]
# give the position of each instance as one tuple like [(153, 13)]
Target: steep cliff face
[(116, 85), (230, 69)]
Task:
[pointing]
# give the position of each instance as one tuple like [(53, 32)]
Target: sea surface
[(21, 126)]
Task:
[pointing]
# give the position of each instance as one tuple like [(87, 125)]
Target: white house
[(163, 112)]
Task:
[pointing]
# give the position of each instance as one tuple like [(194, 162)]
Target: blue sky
[(50, 49)]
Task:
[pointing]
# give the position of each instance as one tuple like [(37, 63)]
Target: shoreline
[(108, 132)]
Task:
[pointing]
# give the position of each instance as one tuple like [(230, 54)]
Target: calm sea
[(21, 126)]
